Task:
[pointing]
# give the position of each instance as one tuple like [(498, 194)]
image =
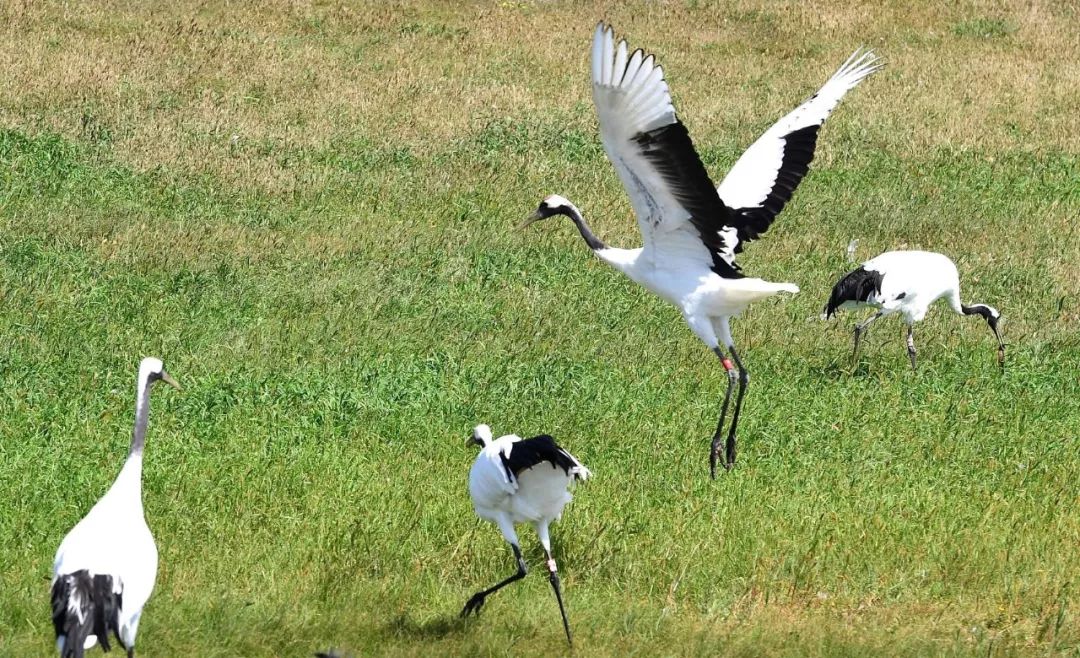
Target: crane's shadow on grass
[(842, 370), (439, 627)]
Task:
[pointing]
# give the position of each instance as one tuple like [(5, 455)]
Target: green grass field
[(308, 212)]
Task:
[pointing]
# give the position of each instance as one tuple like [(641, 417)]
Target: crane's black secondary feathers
[(856, 286), (529, 452), (97, 604), (670, 151), (799, 147)]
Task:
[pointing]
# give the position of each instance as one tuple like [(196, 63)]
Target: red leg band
[(727, 363)]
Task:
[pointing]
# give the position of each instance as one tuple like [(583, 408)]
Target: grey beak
[(535, 217), (167, 378)]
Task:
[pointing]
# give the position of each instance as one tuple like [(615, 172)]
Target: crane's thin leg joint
[(732, 375), (477, 601), (553, 578), (911, 346), (744, 381), (859, 330)]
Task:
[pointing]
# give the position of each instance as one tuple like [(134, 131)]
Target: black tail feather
[(84, 605), (856, 286), (529, 452)]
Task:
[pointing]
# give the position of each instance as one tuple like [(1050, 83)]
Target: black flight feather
[(98, 605), (856, 286), (527, 453), (670, 151), (799, 147)]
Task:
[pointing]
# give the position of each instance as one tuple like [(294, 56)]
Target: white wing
[(489, 484), (764, 178), (631, 98), (650, 149)]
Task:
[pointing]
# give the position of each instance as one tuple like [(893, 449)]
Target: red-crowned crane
[(105, 567), (691, 228), (515, 480), (906, 282)]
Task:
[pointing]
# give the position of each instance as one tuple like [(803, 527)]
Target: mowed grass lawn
[(308, 210)]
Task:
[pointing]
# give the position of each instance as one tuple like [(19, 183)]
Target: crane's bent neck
[(623, 260), (595, 243)]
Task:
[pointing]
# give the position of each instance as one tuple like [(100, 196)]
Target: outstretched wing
[(765, 176), (651, 150)]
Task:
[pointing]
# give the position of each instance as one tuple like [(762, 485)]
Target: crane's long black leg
[(553, 577), (911, 346), (131, 652), (715, 450), (859, 329), (477, 601), (744, 380)]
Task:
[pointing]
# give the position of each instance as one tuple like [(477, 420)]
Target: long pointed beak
[(1001, 345), (535, 217), (167, 378)]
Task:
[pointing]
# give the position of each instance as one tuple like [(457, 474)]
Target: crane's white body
[(911, 282), (704, 298), (113, 539), (537, 495)]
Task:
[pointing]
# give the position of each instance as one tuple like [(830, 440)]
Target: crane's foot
[(714, 456), (473, 605), (729, 453)]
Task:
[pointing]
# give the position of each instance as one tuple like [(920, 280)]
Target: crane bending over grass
[(516, 480), (106, 565), (906, 282), (692, 229)]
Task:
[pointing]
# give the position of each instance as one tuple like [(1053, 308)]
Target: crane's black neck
[(981, 309), (992, 317), (571, 211), (142, 418)]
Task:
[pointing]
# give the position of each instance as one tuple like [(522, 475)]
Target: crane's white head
[(151, 369), (551, 206), (481, 435)]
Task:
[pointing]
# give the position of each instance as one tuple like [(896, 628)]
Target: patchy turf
[(307, 211)]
